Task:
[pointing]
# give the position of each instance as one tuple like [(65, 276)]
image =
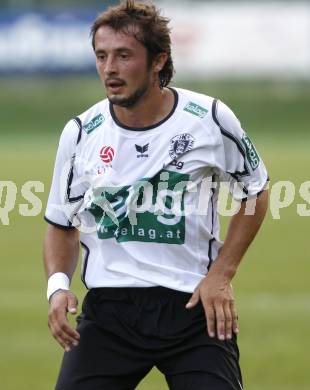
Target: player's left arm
[(215, 290), (245, 172)]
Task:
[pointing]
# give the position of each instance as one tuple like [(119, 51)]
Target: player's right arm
[(61, 243), (61, 249)]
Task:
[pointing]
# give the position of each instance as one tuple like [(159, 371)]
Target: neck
[(153, 107)]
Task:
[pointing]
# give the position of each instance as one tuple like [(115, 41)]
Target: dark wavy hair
[(152, 30)]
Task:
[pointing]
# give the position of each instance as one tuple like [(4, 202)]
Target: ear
[(160, 61)]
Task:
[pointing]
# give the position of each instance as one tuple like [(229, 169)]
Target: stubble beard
[(131, 100)]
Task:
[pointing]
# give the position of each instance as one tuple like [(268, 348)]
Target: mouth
[(114, 85)]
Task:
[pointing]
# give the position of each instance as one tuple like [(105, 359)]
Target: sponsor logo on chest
[(150, 210)]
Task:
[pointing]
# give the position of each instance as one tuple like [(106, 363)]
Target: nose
[(110, 66)]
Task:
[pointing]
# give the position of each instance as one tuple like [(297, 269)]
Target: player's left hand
[(216, 295)]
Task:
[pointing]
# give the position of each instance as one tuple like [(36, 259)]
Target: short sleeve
[(243, 167), (65, 196)]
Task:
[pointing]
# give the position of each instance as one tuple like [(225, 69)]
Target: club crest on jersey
[(180, 144), (107, 154)]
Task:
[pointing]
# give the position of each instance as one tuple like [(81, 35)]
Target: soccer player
[(136, 183)]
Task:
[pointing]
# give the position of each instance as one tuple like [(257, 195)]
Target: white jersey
[(145, 200)]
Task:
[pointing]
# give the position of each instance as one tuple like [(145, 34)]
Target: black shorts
[(127, 331)]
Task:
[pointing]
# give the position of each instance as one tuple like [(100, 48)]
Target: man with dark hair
[(136, 183)]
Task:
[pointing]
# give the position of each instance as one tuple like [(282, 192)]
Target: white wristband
[(57, 281)]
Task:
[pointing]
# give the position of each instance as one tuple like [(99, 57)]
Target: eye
[(101, 57), (124, 56)]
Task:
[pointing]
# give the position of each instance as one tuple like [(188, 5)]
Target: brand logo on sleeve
[(251, 153), (93, 124), (195, 109), (107, 154)]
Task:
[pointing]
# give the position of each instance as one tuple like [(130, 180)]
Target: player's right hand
[(61, 303)]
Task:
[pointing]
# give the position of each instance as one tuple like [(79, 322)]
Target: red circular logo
[(107, 154)]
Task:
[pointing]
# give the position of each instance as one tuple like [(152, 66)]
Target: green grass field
[(272, 286)]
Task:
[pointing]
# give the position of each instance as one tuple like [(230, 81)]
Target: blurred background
[(253, 55)]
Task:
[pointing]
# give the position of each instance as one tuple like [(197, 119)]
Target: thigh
[(105, 359), (97, 364), (197, 380), (92, 381), (203, 367), (195, 352)]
